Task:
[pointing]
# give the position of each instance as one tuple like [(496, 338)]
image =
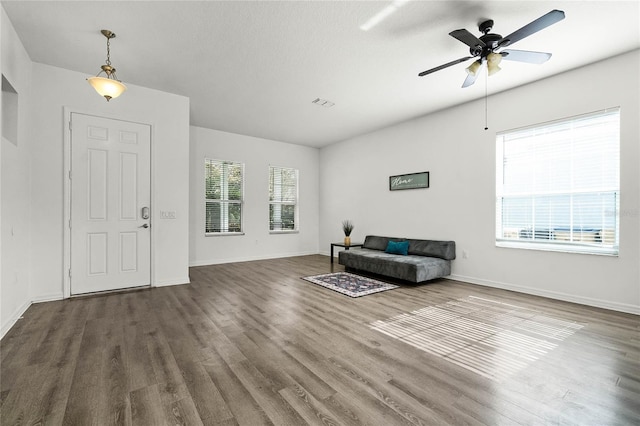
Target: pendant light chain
[(109, 51)]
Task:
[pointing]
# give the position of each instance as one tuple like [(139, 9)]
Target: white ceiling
[(254, 67)]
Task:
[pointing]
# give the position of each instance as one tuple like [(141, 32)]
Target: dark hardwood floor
[(251, 343)]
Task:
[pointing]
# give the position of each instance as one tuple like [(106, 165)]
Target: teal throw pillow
[(398, 247)]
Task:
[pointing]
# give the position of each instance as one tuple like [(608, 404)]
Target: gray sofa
[(426, 259)]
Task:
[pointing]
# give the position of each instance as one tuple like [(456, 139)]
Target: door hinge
[(69, 174), (69, 223), (69, 272), (69, 124)]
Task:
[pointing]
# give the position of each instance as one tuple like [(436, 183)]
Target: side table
[(346, 247)]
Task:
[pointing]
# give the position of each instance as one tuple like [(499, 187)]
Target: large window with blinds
[(283, 199), (558, 185), (224, 182)]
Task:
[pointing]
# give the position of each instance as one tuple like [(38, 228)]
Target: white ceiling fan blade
[(525, 56)]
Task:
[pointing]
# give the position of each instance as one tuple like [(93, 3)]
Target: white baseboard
[(14, 318), (48, 298), (247, 259), (589, 301), (174, 281)]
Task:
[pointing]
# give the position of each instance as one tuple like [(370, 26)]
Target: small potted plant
[(347, 227)]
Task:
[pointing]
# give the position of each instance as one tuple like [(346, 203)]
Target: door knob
[(146, 225)]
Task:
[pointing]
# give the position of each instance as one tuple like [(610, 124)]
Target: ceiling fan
[(488, 48)]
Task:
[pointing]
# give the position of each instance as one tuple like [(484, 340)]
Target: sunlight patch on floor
[(491, 338)]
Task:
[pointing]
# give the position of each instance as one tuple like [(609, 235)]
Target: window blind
[(558, 184), (224, 183), (283, 198)]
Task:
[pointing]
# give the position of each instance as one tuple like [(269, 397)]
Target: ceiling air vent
[(322, 102)]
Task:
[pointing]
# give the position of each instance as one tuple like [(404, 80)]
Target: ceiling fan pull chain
[(486, 95)]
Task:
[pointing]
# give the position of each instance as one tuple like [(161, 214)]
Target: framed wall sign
[(409, 181)]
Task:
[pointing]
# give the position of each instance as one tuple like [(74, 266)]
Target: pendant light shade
[(109, 87)]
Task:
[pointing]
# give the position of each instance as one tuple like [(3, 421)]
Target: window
[(223, 196), (283, 199), (558, 185)]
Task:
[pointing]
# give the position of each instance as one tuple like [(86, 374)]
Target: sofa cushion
[(398, 247), (375, 242), (431, 248)]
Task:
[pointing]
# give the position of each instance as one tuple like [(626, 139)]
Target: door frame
[(66, 223)]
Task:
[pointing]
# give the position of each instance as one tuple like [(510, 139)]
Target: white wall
[(2, 289), (15, 183), (168, 114), (33, 177), (460, 204), (256, 154)]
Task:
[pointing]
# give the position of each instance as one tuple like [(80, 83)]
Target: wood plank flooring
[(253, 344)]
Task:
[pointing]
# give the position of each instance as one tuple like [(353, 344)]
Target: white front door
[(110, 204)]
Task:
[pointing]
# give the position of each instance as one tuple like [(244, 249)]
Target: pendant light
[(109, 87)]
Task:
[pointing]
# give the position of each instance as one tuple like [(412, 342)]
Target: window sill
[(562, 248), (284, 231), (222, 234)]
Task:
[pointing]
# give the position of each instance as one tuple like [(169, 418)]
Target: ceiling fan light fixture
[(493, 60), (474, 67), (487, 44), (109, 87), (491, 70)]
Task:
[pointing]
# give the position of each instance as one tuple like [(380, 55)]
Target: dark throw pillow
[(398, 247)]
